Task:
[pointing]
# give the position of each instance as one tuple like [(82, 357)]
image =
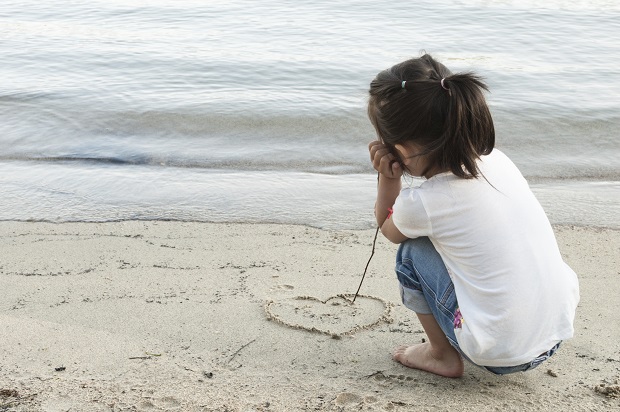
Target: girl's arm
[(388, 189)]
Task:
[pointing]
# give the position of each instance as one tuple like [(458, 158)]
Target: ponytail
[(422, 102), (469, 132)]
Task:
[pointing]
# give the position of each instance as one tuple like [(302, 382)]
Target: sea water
[(245, 111)]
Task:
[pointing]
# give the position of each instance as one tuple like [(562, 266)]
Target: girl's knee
[(411, 248), (418, 252), (410, 252)]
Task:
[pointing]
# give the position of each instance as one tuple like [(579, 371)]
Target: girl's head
[(420, 106)]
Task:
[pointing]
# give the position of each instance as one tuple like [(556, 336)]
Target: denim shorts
[(426, 288)]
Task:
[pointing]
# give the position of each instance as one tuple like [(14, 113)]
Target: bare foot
[(448, 363)]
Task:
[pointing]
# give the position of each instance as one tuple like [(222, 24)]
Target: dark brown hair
[(450, 121)]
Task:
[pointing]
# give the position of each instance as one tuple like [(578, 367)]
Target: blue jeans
[(426, 288)]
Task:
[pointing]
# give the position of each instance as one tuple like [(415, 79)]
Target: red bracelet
[(390, 211)]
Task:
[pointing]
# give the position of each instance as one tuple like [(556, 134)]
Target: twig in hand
[(374, 243)]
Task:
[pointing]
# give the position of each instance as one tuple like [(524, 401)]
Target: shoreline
[(556, 226), (334, 201), (169, 315)]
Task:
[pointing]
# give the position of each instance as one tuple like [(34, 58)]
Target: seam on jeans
[(424, 284), (410, 263), (440, 305), (447, 293)]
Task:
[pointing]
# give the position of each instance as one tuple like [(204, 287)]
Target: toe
[(399, 351)]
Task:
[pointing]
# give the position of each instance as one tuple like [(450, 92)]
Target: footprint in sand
[(169, 403), (347, 398), (283, 287), (56, 404), (145, 405)]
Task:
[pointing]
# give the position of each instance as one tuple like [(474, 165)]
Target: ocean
[(245, 111)]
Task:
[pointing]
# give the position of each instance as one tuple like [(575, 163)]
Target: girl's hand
[(384, 161)]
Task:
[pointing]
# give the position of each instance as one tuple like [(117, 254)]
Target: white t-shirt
[(516, 295)]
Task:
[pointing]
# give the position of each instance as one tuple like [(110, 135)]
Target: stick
[(239, 350), (374, 242)]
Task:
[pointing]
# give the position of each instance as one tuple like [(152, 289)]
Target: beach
[(164, 315), (186, 201)]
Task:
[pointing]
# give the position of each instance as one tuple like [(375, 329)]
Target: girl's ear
[(407, 152)]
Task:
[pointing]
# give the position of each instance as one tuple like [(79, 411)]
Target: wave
[(324, 167), (610, 174), (545, 145), (30, 110)]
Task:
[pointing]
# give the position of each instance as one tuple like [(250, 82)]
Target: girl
[(478, 261)]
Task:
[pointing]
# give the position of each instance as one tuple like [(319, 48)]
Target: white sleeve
[(409, 214)]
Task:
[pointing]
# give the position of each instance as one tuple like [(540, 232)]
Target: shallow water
[(237, 111)]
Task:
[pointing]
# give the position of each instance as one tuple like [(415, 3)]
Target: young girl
[(478, 261)]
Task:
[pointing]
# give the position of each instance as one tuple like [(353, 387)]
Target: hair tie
[(442, 85), (403, 84)]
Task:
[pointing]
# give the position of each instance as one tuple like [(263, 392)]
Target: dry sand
[(152, 316)]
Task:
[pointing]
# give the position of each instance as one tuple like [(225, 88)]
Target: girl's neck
[(434, 171)]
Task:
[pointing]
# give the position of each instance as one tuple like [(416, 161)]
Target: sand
[(158, 316)]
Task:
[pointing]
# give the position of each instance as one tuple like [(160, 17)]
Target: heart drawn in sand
[(336, 316)]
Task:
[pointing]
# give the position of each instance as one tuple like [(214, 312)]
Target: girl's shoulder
[(497, 163), (494, 158), (496, 170)]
